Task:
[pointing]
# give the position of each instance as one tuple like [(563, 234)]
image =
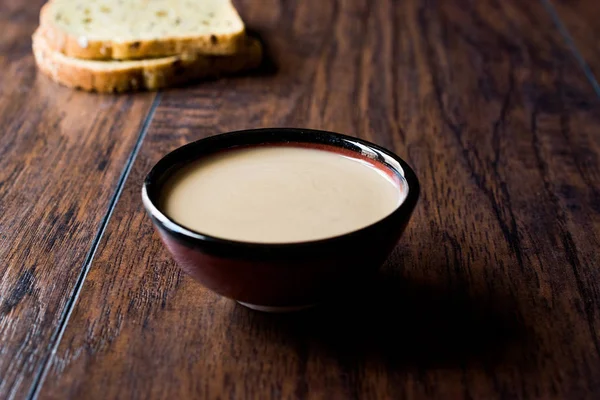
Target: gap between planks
[(72, 301), (564, 32)]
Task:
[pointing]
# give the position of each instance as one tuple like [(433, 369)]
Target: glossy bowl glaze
[(287, 276)]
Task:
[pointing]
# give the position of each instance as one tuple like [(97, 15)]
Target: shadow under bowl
[(281, 277)]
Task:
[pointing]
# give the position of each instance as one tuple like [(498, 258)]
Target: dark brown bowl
[(286, 276)]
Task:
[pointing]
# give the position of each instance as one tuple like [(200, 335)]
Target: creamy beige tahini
[(279, 194)]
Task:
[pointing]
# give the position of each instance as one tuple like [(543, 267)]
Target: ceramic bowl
[(287, 276)]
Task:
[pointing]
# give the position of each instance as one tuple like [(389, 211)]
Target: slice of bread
[(151, 74), (139, 29)]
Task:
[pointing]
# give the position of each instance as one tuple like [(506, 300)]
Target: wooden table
[(494, 291)]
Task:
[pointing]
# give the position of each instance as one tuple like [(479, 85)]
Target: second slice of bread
[(139, 29), (151, 74)]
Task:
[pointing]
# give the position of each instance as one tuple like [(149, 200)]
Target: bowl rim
[(276, 135)]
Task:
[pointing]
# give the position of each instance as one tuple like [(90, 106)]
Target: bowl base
[(270, 309)]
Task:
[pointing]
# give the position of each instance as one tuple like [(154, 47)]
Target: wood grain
[(580, 18), (61, 156), (492, 293)]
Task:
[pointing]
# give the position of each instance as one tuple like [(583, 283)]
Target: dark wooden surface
[(494, 291), (61, 156)]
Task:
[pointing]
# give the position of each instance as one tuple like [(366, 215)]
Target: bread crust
[(90, 49), (152, 74)]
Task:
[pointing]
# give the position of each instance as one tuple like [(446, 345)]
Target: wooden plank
[(61, 156), (494, 290), (580, 18)]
